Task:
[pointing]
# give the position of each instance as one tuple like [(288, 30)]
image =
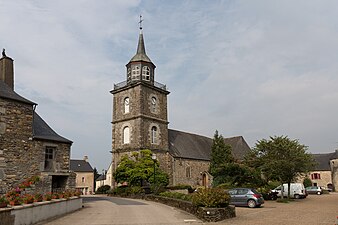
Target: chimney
[(6, 70), (85, 158)]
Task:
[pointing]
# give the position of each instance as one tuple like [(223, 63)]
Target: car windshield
[(254, 191)]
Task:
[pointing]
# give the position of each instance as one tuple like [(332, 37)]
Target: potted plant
[(47, 197), (28, 199), (14, 197), (38, 197), (3, 202)]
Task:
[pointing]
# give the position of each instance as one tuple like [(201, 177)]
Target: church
[(140, 121)]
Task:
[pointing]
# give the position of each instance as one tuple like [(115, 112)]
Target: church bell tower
[(140, 119)]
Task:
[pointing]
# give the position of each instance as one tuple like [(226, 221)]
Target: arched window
[(135, 73), (153, 104), (146, 73), (83, 179), (126, 135), (154, 135), (126, 105)]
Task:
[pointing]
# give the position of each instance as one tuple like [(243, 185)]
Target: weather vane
[(141, 20)]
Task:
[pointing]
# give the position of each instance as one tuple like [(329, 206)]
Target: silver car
[(245, 197)]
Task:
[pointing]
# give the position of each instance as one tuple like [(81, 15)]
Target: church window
[(128, 74), (188, 172), (153, 104), (146, 73), (126, 105), (154, 135), (83, 179), (135, 73), (126, 135)]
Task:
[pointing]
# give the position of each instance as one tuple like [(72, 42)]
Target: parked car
[(314, 190), (297, 190), (245, 197)]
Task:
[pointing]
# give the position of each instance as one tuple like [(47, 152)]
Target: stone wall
[(325, 178), (85, 181), (189, 171), (334, 169), (16, 143), (205, 214), (140, 118), (21, 155)]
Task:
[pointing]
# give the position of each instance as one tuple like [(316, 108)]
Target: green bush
[(176, 195), (179, 187), (126, 191), (103, 189), (307, 182), (211, 198)]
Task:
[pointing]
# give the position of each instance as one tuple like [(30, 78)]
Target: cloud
[(244, 68)]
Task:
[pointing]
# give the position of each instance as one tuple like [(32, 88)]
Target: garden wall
[(205, 214), (38, 211)]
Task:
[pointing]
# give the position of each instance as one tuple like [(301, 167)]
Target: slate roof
[(77, 165), (193, 146), (141, 51), (41, 130), (7, 92), (323, 160), (101, 177)]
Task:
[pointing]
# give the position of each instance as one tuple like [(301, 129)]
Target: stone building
[(325, 173), (140, 121), (28, 146), (84, 175)]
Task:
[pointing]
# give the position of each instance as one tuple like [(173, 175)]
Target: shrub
[(211, 198), (126, 191), (38, 197), (3, 199), (47, 196), (179, 187), (307, 182), (176, 195), (103, 189)]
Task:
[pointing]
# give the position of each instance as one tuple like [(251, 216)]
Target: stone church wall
[(188, 171), (334, 169)]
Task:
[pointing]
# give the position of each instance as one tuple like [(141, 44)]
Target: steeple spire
[(141, 50)]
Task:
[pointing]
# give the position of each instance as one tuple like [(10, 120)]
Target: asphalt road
[(101, 210)]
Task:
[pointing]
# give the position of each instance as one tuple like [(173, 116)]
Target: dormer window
[(135, 73), (146, 73)]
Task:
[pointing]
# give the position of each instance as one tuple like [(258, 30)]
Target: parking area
[(315, 209)]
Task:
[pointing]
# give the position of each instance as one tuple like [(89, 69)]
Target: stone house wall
[(334, 169), (85, 182), (325, 178), (16, 143)]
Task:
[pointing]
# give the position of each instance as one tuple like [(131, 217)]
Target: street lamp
[(153, 156)]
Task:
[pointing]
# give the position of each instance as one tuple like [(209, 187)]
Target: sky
[(245, 68)]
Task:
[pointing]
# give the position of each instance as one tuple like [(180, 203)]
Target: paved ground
[(322, 210)]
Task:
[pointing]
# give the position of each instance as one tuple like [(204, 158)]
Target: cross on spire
[(141, 20)]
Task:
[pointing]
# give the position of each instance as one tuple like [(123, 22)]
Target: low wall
[(38, 211), (205, 214)]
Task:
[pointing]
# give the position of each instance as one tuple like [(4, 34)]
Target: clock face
[(153, 100)]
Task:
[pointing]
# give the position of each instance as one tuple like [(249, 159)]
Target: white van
[(297, 190)]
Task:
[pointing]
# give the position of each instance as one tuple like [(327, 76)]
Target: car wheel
[(252, 203), (319, 193), (297, 196)]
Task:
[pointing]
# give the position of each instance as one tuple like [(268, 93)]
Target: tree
[(280, 158), (139, 168)]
